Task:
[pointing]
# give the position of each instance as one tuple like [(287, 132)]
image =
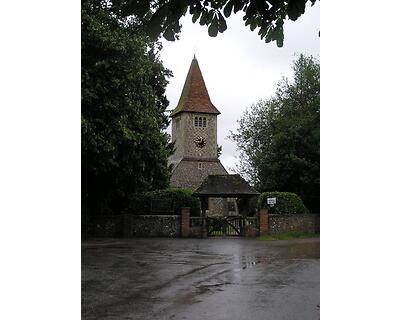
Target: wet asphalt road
[(194, 279)]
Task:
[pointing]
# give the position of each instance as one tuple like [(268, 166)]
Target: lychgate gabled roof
[(194, 97), (225, 185)]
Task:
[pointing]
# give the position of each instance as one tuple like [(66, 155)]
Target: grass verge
[(289, 236)]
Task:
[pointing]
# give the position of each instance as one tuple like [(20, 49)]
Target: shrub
[(180, 197), (286, 203), (251, 203), (138, 204), (141, 203)]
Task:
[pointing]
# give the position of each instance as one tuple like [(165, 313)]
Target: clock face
[(200, 142)]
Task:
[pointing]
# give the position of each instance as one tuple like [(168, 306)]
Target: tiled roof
[(225, 185), (194, 97)]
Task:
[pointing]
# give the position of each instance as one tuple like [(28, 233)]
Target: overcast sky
[(238, 67)]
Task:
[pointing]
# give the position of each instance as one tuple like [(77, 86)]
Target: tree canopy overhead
[(278, 138), (162, 16)]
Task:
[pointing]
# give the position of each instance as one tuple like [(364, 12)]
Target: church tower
[(194, 131)]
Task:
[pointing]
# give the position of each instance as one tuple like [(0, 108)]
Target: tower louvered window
[(200, 122)]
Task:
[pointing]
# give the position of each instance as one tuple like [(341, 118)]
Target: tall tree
[(162, 16), (278, 138), (124, 146)]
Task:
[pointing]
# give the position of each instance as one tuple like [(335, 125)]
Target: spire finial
[(194, 52)]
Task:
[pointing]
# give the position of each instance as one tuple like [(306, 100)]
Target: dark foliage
[(180, 197), (251, 204), (138, 204), (286, 203), (124, 148), (162, 16), (279, 138), (141, 203), (219, 151)]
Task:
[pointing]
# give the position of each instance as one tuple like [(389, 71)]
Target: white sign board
[(271, 201)]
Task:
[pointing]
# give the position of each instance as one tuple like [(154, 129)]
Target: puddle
[(189, 298), (194, 297), (304, 251), (211, 287), (253, 261)]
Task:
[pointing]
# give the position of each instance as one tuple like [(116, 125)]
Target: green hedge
[(138, 204), (286, 203), (252, 205), (141, 203), (181, 198)]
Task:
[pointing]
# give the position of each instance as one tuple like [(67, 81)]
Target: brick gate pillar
[(185, 222), (263, 217)]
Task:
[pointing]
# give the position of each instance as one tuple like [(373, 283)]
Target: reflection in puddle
[(252, 261), (194, 297), (211, 287), (189, 298)]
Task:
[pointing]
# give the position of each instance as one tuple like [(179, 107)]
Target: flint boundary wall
[(131, 226), (174, 226), (282, 223)]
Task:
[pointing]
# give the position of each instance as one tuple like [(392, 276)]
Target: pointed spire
[(194, 52), (194, 97)]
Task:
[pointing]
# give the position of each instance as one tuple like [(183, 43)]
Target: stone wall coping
[(154, 215), (291, 214)]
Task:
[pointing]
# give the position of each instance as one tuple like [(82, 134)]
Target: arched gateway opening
[(227, 186)]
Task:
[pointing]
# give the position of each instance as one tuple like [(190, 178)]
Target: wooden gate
[(225, 226)]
